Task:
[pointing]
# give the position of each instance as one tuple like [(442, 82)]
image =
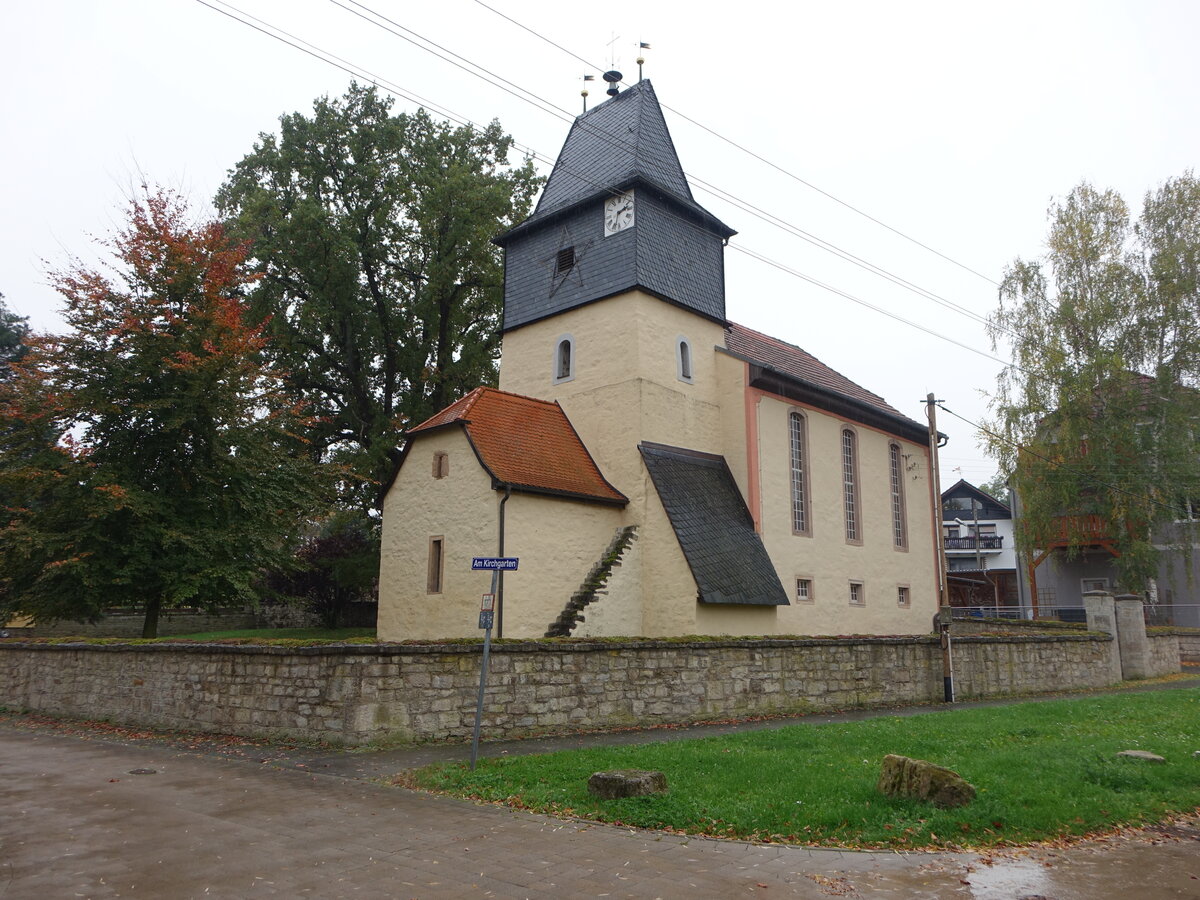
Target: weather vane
[(584, 92)]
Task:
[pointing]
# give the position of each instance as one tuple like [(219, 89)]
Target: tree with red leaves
[(149, 456)]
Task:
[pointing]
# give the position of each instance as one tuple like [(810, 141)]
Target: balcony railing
[(1080, 528), (985, 542)]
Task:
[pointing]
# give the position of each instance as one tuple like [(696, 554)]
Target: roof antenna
[(642, 46), (613, 77), (584, 92)]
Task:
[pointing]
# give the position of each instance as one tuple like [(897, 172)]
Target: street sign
[(485, 618), (506, 563), (488, 603)]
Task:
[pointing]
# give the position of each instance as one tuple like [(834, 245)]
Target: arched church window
[(683, 359), (564, 359)]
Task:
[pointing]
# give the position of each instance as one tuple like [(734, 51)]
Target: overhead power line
[(773, 165), (424, 43), (1089, 476), (357, 71)]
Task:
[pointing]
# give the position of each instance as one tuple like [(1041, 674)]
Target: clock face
[(618, 213)]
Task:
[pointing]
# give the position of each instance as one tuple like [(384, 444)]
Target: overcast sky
[(955, 124)]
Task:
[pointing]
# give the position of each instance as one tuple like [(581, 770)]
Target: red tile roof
[(791, 360), (527, 443)]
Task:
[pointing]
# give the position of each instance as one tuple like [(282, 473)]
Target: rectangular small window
[(436, 563), (804, 590), (564, 261), (441, 464), (902, 596), (858, 594)]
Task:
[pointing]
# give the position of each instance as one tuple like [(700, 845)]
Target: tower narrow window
[(564, 358), (683, 359), (896, 470), (436, 565), (564, 260), (799, 457), (441, 464), (850, 485)]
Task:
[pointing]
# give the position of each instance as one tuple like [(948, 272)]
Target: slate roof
[(713, 526), (527, 444), (612, 146), (798, 363), (785, 362)]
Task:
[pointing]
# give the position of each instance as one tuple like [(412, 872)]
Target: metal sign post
[(487, 610)]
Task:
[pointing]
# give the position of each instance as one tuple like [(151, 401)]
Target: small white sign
[(488, 603)]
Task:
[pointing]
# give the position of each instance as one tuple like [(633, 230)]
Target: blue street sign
[(485, 618), (494, 562)]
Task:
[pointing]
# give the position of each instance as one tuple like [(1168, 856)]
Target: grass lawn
[(1043, 771), (273, 634)]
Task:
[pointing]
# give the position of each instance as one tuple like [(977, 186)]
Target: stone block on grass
[(901, 776), (1142, 755), (626, 783)]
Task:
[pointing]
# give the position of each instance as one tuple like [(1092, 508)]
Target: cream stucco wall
[(462, 508), (625, 388), (825, 556), (556, 540)]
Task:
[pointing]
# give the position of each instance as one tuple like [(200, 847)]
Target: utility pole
[(935, 487), (945, 616)]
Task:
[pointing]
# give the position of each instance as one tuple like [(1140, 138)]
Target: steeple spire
[(616, 215), (615, 144)]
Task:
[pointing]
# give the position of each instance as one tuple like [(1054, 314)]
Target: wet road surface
[(75, 821)]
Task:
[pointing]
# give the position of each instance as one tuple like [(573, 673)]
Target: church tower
[(615, 289), (617, 214)]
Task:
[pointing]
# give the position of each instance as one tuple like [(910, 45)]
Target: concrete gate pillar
[(1131, 633), (1101, 616)]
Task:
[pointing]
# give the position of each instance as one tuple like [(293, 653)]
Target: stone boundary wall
[(1165, 654), (1189, 645), (352, 694)]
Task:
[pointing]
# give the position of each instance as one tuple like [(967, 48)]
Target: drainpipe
[(500, 572)]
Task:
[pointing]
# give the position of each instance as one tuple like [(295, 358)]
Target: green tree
[(152, 458), (13, 333), (372, 233), (1097, 416), (997, 487), (338, 564)]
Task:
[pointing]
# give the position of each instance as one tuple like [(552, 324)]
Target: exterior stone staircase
[(593, 584)]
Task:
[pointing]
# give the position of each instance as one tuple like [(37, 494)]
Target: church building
[(656, 469)]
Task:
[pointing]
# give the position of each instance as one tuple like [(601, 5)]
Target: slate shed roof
[(614, 145), (527, 444), (713, 526), (795, 372)]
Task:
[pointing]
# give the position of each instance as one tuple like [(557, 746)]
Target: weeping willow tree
[(1097, 416)]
